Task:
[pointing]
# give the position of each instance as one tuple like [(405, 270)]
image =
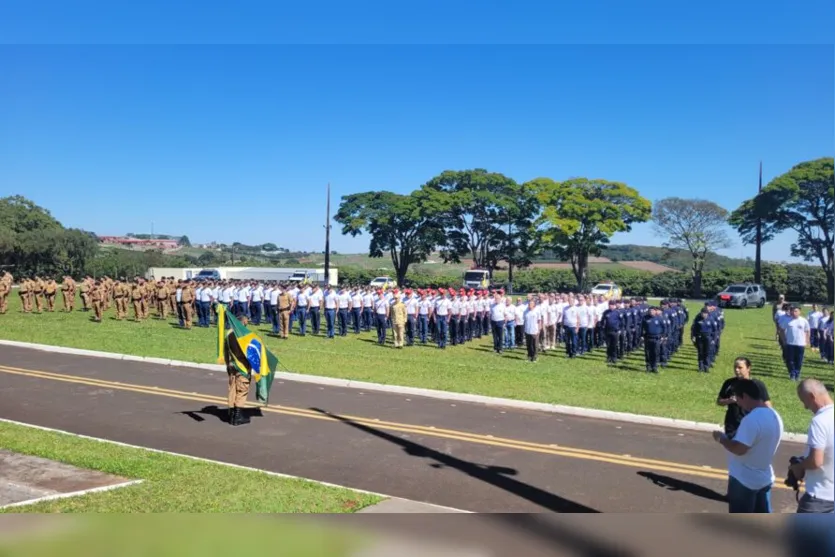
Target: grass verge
[(172, 483), (677, 392)]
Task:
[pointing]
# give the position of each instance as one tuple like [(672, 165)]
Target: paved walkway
[(468, 456)]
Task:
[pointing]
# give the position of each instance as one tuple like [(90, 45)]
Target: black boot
[(233, 415), (243, 419)]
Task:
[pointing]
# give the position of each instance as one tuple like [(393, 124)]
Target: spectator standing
[(751, 452), (817, 464)]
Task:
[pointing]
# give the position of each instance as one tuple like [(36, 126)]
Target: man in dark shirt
[(727, 395)]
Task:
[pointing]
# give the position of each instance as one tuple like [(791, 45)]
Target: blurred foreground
[(416, 535)]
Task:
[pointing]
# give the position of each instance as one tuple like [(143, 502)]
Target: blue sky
[(205, 139)]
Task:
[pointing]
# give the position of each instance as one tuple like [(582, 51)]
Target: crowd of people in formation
[(795, 333), (443, 317)]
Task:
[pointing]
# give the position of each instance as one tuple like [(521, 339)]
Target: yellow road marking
[(557, 450)]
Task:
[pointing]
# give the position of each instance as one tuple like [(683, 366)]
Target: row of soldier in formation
[(444, 316), (166, 296)]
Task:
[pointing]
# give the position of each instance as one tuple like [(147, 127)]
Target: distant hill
[(675, 258)]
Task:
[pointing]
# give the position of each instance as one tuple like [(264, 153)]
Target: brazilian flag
[(248, 353)]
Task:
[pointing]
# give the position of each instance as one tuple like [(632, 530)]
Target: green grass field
[(678, 391), (172, 483)]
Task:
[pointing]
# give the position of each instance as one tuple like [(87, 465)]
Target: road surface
[(467, 456)]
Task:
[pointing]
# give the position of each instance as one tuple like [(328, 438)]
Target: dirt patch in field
[(647, 266)]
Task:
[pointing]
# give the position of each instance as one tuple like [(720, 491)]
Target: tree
[(184, 241), (802, 200), (269, 247), (400, 225), (580, 215), (522, 240), (472, 205), (696, 225)]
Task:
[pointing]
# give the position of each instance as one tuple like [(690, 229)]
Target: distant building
[(136, 243)]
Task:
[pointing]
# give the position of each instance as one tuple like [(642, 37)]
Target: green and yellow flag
[(247, 353)]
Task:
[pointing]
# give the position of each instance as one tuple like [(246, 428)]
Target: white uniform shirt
[(497, 311), (274, 294), (344, 300), (197, 292), (412, 306), (531, 318), (796, 330), (331, 300), (302, 300), (228, 294), (571, 317), (454, 307), (368, 301), (257, 294), (316, 298), (356, 301), (381, 306), (761, 430), (206, 295), (820, 483), (520, 313), (243, 294), (442, 307), (424, 306), (509, 314)]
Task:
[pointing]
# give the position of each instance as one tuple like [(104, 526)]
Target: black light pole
[(759, 240), (328, 238)]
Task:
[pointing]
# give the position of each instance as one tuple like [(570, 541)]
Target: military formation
[(579, 324)]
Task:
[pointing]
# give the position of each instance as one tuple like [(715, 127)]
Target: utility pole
[(759, 240), (328, 237)]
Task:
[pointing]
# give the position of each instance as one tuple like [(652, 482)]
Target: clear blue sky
[(203, 140)]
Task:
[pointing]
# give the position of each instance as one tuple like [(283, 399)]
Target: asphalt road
[(466, 456)]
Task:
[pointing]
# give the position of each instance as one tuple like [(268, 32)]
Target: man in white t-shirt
[(796, 332), (532, 322), (817, 464), (751, 451)]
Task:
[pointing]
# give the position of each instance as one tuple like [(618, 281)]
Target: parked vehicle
[(478, 279), (609, 291), (383, 282), (742, 296)]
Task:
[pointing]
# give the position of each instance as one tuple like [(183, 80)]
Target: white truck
[(478, 279), (245, 273)]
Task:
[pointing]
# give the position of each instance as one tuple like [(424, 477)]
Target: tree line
[(500, 223), (502, 226)]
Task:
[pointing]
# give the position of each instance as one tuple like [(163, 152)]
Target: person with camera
[(751, 451), (816, 466)]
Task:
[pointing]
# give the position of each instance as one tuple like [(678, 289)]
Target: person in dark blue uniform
[(702, 334), (611, 323), (664, 347), (653, 331)]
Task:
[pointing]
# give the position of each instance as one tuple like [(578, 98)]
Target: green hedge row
[(798, 282)]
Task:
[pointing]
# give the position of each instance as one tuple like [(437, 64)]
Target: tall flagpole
[(328, 238), (758, 261)]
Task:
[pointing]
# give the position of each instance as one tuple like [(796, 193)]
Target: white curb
[(218, 462), (415, 391), (58, 496)]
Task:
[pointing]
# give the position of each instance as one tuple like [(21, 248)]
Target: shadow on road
[(219, 413), (495, 476), (672, 484)]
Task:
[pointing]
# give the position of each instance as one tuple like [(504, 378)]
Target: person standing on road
[(817, 465), (751, 451), (728, 395), (238, 382), (797, 335)]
